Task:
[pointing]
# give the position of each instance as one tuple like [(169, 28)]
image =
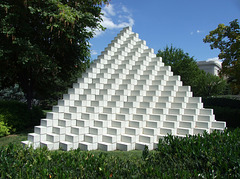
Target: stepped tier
[(126, 99)]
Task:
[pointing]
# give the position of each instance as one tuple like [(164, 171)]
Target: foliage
[(44, 43), (214, 155), (225, 109), (4, 129), (227, 40), (17, 117), (182, 64), (12, 93)]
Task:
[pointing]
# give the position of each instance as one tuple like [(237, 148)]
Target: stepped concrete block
[(175, 111), (107, 146), (138, 93), (51, 137), (59, 130), (153, 93), (162, 105), (159, 82), (33, 137), (183, 94), (136, 71), (153, 124), (73, 138), (109, 138), (203, 125), (206, 118), (118, 124), (79, 130), (180, 99), (195, 105), (150, 98), (189, 118), (218, 125), (195, 100), (133, 76), (150, 72), (43, 137), (115, 131), (169, 124), (141, 146), (178, 105), (58, 109), (125, 146), (66, 122), (84, 122), (177, 83), (184, 131), (206, 111), (101, 123), (173, 117), (140, 117), (170, 88), (147, 139), (150, 131), (191, 111), (147, 104), (154, 117), (132, 131), (166, 131), (159, 111), (83, 82), (183, 124), (90, 138), (46, 122), (126, 100), (49, 145), (65, 145), (156, 87), (128, 138), (200, 131), (97, 130), (86, 146)]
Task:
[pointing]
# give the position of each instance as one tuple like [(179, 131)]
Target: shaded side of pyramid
[(126, 99)]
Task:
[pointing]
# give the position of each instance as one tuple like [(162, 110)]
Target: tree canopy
[(182, 64), (44, 43), (227, 40)]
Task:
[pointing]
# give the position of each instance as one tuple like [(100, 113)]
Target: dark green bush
[(18, 117), (225, 109), (222, 102), (214, 155)]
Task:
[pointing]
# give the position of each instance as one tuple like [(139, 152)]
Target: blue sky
[(182, 23)]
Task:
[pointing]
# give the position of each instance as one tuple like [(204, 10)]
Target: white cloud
[(108, 10), (94, 52), (115, 18), (198, 31)]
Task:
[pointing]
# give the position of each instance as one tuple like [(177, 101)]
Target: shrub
[(4, 129), (18, 117), (214, 155)]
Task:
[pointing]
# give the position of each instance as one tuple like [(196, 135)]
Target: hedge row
[(214, 155), (16, 117)]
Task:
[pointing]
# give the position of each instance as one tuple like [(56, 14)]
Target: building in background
[(210, 66)]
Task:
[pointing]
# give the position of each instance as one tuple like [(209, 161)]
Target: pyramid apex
[(128, 28)]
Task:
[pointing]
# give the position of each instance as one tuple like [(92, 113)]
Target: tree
[(44, 43), (227, 40), (182, 64)]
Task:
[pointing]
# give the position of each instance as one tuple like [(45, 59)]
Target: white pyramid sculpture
[(126, 99)]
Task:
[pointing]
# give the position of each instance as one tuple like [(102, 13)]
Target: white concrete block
[(86, 146)]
